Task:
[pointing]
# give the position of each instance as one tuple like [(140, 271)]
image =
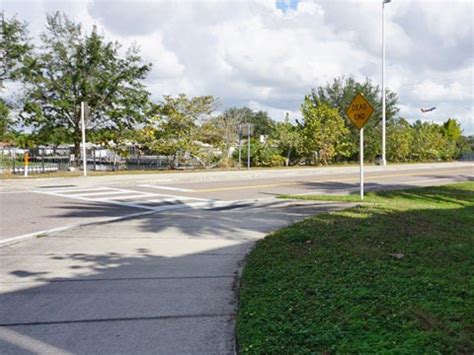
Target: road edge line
[(23, 237)]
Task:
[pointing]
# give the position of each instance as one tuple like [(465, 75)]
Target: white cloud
[(451, 22), (279, 114), (430, 91), (165, 63), (309, 7), (253, 53)]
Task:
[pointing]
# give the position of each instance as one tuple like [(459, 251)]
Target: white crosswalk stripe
[(127, 198), (101, 193)]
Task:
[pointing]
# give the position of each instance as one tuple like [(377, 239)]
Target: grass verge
[(394, 275)]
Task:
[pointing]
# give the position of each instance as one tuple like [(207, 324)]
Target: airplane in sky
[(424, 110)]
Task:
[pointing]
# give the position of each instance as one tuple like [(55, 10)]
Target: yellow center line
[(352, 178)]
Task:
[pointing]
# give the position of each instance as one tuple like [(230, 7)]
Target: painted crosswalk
[(127, 198)]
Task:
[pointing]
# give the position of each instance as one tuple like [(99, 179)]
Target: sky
[(267, 54)]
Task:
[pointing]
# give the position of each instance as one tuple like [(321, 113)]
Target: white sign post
[(84, 156), (26, 159), (361, 157)]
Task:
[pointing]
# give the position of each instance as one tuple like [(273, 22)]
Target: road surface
[(30, 207)]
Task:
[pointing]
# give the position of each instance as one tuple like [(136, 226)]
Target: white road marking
[(27, 343), (94, 200), (128, 197), (160, 187), (102, 193), (69, 189), (13, 192), (60, 229), (138, 199)]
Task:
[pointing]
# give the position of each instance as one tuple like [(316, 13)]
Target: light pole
[(384, 159), (83, 126)]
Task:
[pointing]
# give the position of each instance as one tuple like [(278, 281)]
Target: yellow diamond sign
[(359, 111)]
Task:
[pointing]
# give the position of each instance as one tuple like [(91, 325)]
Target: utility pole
[(84, 156), (248, 146), (240, 146), (384, 159), (3, 24), (361, 158)]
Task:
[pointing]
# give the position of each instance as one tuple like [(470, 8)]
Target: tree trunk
[(77, 147), (288, 157), (172, 162)]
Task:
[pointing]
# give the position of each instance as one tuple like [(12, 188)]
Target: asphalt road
[(40, 205), (149, 263)]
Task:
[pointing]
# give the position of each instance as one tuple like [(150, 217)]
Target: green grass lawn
[(392, 275)]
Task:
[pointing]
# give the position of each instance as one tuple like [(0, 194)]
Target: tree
[(399, 140), (15, 48), (231, 119), (464, 145), (467, 144), (262, 153), (174, 130), (262, 124), (429, 143), (323, 131), (24, 140), (15, 60), (212, 134), (4, 119), (73, 67), (227, 124), (452, 130), (339, 94), (56, 137), (288, 139)]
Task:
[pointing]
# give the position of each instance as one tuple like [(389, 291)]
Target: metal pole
[(361, 158), (384, 160), (248, 145), (240, 146), (14, 160), (84, 156)]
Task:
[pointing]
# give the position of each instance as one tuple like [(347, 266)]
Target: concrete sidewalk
[(162, 283)]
